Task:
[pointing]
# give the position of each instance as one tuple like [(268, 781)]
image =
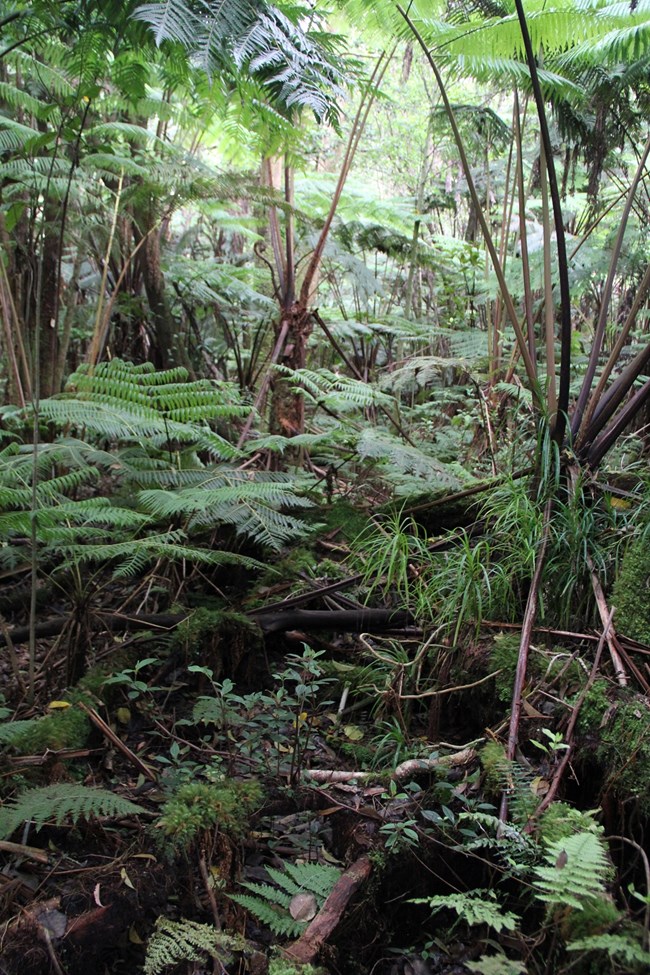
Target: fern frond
[(405, 459), (176, 941), (271, 905), (338, 393), (474, 907), (252, 507), (270, 894), (575, 872), (317, 878), (62, 801), (617, 946), (172, 20), (270, 915), (14, 729)]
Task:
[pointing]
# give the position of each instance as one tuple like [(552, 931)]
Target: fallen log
[(342, 620), (405, 770), (306, 948)]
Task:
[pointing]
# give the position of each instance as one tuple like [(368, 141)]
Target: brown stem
[(524, 647), (559, 772), (489, 242)]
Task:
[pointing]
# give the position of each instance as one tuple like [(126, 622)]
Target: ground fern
[(61, 801), (275, 905), (176, 941)]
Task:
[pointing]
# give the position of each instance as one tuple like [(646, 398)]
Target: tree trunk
[(164, 351), (287, 406)]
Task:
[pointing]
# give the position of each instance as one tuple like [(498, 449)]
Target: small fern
[(176, 941), (474, 907), (272, 905), (617, 946), (575, 872), (496, 965), (62, 801), (14, 729)]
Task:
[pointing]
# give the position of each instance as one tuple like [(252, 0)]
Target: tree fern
[(295, 66), (251, 504), (335, 392), (61, 801), (134, 555), (409, 468), (13, 729)]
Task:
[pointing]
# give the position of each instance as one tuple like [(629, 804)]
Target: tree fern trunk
[(48, 311), (164, 352), (288, 407)]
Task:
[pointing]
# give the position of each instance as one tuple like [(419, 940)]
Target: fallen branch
[(524, 647), (30, 852), (608, 628), (306, 948), (573, 720), (412, 766), (118, 743), (342, 620)]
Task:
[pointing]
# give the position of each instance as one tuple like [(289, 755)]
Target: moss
[(631, 594), (342, 515), (360, 755), (200, 806), (64, 728), (561, 820), (219, 639), (493, 760), (504, 657), (594, 708), (282, 966), (598, 916), (625, 752)]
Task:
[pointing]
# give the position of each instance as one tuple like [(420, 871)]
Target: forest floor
[(225, 795)]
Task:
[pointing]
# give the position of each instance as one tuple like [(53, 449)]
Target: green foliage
[(351, 521), (504, 656), (616, 946), (252, 505), (474, 907), (127, 403), (296, 67), (198, 807), (594, 707), (624, 751), (176, 941), (282, 966), (387, 552), (561, 820), (62, 801), (574, 873), (206, 633), (409, 468), (496, 965), (633, 579), (63, 728), (511, 777), (273, 905)]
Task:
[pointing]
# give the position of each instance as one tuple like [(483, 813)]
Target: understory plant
[(296, 894), (274, 728)]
